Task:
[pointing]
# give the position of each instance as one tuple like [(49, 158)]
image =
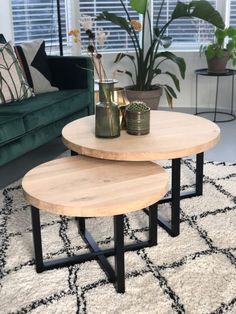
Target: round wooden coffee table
[(172, 136), (87, 187)]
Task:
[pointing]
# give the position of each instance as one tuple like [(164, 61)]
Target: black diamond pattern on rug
[(193, 273)]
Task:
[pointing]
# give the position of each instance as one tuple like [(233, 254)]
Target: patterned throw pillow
[(13, 86), (34, 60)]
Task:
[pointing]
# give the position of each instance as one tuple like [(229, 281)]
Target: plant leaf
[(166, 41), (157, 71), (177, 60), (170, 90), (156, 31), (201, 9), (122, 55), (125, 72), (117, 20), (231, 31), (175, 80), (139, 6), (169, 98)]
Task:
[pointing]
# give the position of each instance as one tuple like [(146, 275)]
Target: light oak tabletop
[(172, 135), (87, 187)]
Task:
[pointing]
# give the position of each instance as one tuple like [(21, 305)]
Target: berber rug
[(194, 273)]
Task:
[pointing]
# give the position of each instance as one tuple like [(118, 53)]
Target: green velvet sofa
[(28, 124)]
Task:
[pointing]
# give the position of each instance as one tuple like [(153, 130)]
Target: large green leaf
[(177, 60), (170, 94), (170, 90), (127, 73), (139, 6), (117, 20), (166, 41), (201, 9), (156, 72), (231, 31), (174, 78), (122, 55)]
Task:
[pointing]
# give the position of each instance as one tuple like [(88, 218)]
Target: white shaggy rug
[(194, 273)]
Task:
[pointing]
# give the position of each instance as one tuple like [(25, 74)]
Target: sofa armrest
[(71, 72)]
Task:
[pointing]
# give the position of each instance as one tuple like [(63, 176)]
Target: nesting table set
[(112, 177)]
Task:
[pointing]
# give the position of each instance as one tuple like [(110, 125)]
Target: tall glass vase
[(107, 122)]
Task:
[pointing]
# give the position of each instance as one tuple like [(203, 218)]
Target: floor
[(224, 151)]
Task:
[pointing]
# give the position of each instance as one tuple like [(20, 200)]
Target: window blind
[(184, 32), (232, 13), (33, 19), (37, 19), (118, 39)]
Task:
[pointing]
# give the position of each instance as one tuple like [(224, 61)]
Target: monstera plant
[(150, 50)]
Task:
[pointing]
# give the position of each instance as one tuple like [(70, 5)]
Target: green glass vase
[(107, 122)]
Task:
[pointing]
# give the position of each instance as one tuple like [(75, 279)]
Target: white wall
[(187, 95), (5, 19)]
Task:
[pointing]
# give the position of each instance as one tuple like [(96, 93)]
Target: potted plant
[(221, 50), (148, 57), (137, 118)]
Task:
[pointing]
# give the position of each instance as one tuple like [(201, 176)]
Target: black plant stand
[(204, 72)]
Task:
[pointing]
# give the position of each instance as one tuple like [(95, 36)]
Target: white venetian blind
[(37, 19), (232, 13), (118, 39), (185, 33)]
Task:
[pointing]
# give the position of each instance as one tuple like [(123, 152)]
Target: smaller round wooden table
[(87, 187)]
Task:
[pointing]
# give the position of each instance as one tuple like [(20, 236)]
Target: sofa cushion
[(11, 126), (35, 63), (49, 107), (13, 86), (35, 138)]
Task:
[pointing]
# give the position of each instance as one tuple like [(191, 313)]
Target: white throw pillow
[(13, 86), (34, 60)]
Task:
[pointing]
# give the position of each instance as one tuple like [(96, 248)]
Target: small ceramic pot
[(138, 122)]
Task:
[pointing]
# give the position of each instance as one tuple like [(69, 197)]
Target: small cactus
[(138, 106)]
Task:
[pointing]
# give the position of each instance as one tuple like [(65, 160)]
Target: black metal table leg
[(37, 240), (175, 202), (232, 97), (73, 153), (196, 101), (153, 224), (199, 173), (172, 227), (216, 100), (119, 253), (93, 247), (116, 276), (81, 221)]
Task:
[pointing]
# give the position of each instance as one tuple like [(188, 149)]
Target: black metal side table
[(204, 72)]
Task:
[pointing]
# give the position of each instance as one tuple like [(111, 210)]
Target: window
[(36, 19), (184, 32), (117, 39), (232, 13)]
